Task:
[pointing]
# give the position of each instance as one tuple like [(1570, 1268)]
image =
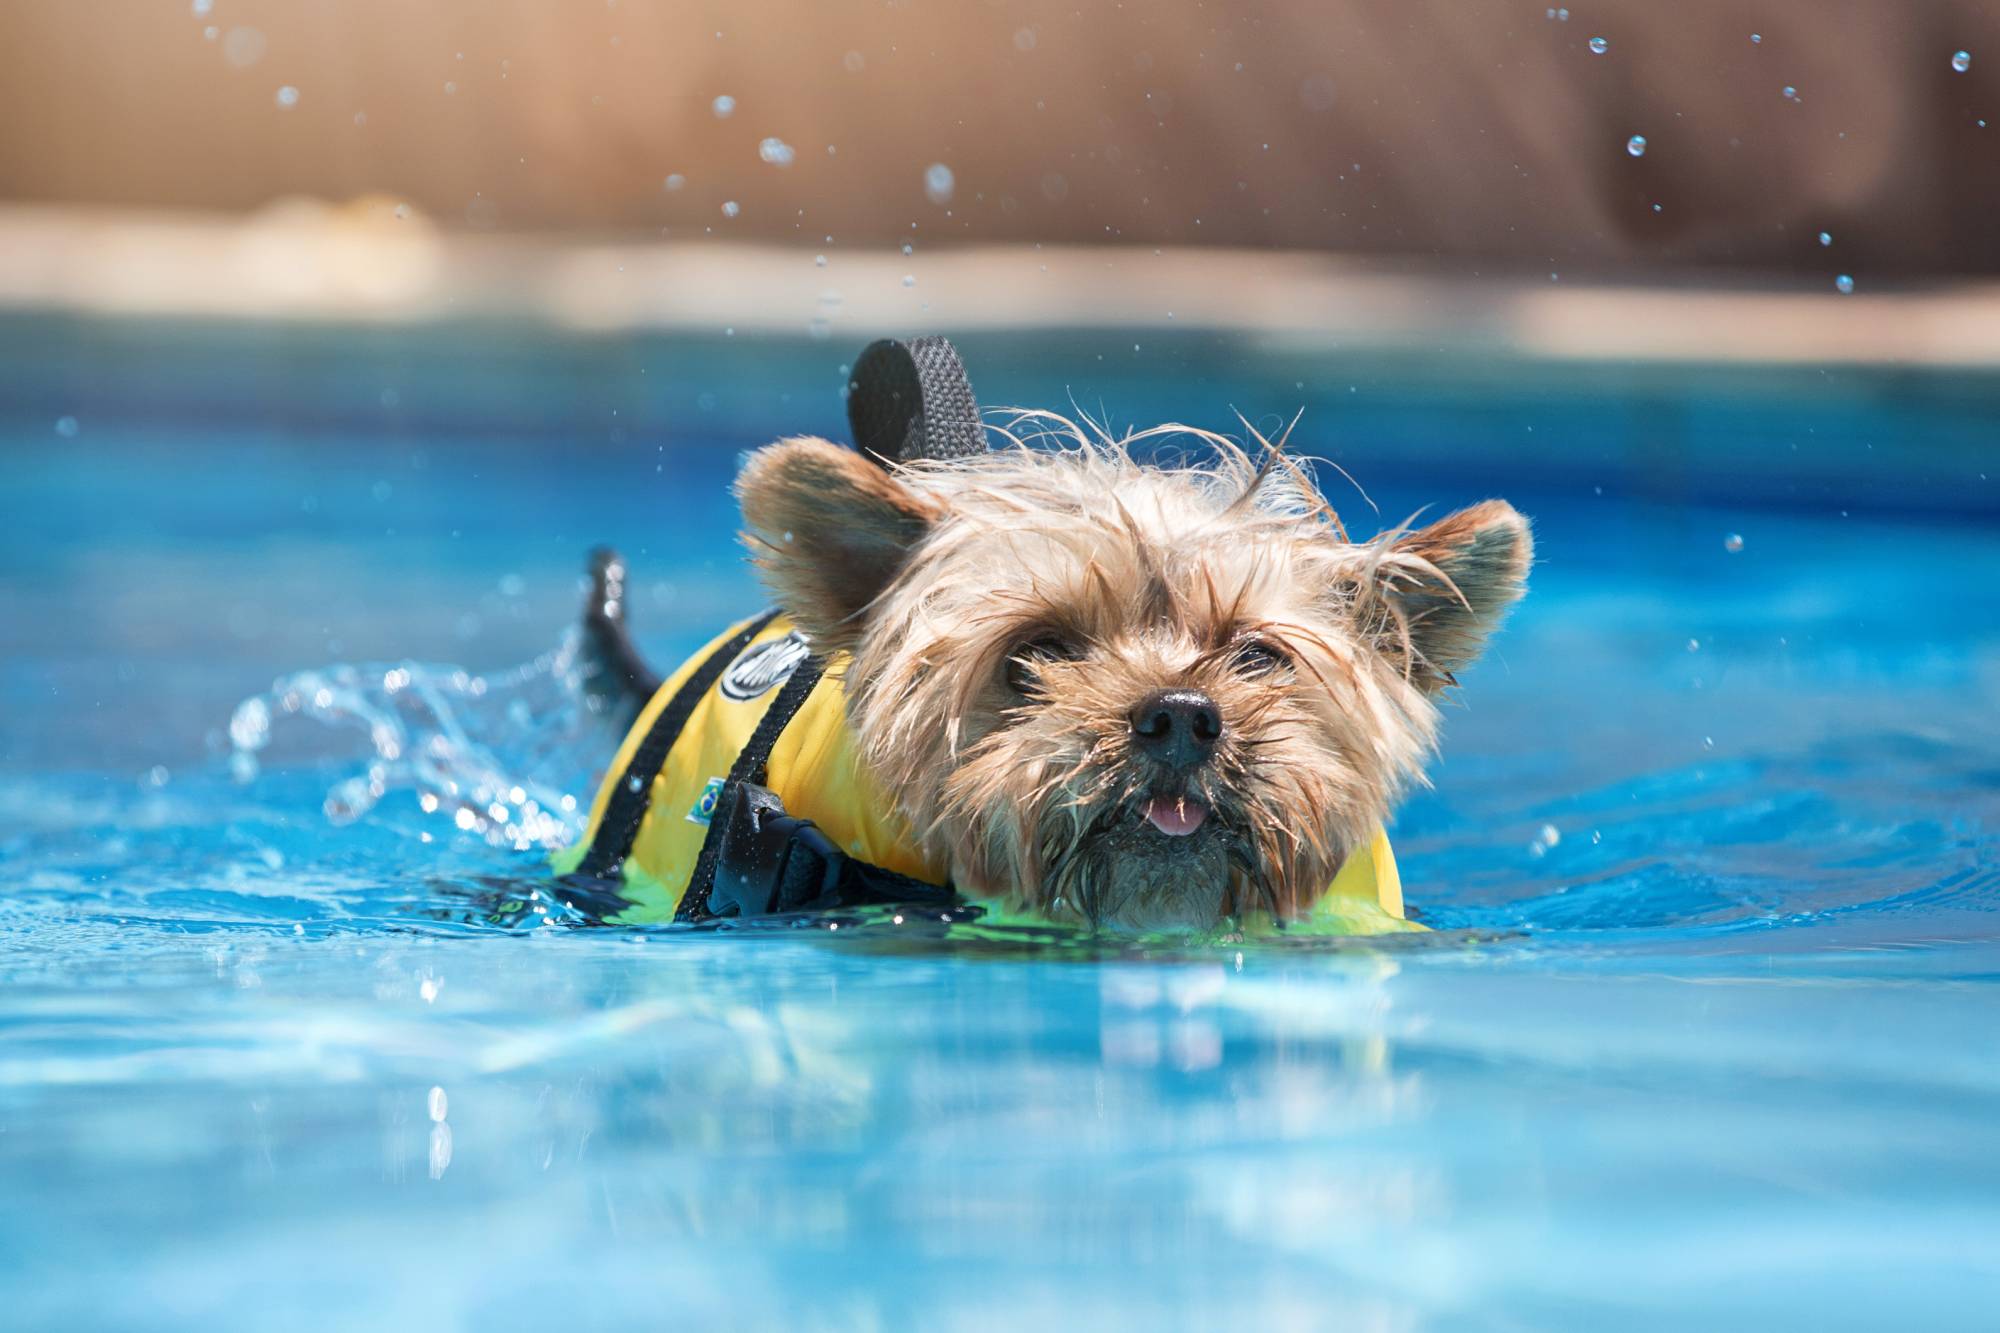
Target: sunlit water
[(1707, 1035)]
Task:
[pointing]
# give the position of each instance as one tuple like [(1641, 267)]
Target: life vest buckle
[(770, 861)]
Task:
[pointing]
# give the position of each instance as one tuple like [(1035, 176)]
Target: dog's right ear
[(829, 529)]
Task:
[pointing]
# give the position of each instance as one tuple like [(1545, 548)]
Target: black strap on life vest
[(758, 859), (912, 400), (905, 402), (626, 809), (748, 768)]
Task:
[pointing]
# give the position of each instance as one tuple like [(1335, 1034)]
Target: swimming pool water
[(1707, 1037)]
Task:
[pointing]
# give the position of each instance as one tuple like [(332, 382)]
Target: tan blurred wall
[(1477, 133)]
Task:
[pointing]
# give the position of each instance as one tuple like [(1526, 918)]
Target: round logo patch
[(763, 666)]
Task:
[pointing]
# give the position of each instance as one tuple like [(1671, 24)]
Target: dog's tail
[(617, 679)]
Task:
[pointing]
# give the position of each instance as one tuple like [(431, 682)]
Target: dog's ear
[(1435, 626), (829, 529)]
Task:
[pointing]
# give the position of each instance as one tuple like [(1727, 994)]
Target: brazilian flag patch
[(704, 805)]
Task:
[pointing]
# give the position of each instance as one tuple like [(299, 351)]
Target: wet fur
[(933, 576)]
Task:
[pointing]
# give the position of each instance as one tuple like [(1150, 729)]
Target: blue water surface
[(1708, 1036)]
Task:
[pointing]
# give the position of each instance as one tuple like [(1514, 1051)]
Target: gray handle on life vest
[(912, 400)]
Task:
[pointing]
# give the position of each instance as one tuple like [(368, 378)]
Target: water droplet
[(1844, 284), (1826, 238), (1636, 145), (1708, 742), (854, 62), (1756, 37), (1791, 94), (1694, 645), (909, 248), (1961, 61), (250, 726), (1562, 15), (675, 181), (819, 261), (909, 279), (1733, 543), (776, 151), (437, 1104), (67, 427), (724, 106), (731, 208), (939, 182), (1024, 39), (1598, 46), (201, 8), (288, 96)]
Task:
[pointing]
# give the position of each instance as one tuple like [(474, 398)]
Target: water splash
[(505, 757)]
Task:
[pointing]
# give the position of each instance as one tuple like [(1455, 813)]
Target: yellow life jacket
[(653, 813)]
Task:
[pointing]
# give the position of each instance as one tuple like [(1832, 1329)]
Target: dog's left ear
[(829, 529), (1483, 553)]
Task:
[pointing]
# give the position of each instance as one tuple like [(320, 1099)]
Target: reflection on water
[(757, 1124)]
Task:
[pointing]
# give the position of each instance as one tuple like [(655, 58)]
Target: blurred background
[(1483, 135), (589, 162)]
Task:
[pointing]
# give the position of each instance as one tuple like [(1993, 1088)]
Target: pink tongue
[(1175, 818)]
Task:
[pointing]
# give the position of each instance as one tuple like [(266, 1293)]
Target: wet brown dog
[(1128, 694)]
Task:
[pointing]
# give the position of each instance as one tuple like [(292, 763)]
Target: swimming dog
[(1067, 679)]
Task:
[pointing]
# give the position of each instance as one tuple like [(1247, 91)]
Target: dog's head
[(1128, 694)]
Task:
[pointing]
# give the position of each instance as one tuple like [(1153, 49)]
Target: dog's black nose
[(1176, 727)]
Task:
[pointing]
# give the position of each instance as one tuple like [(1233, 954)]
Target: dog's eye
[(1255, 657), (1024, 666)]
